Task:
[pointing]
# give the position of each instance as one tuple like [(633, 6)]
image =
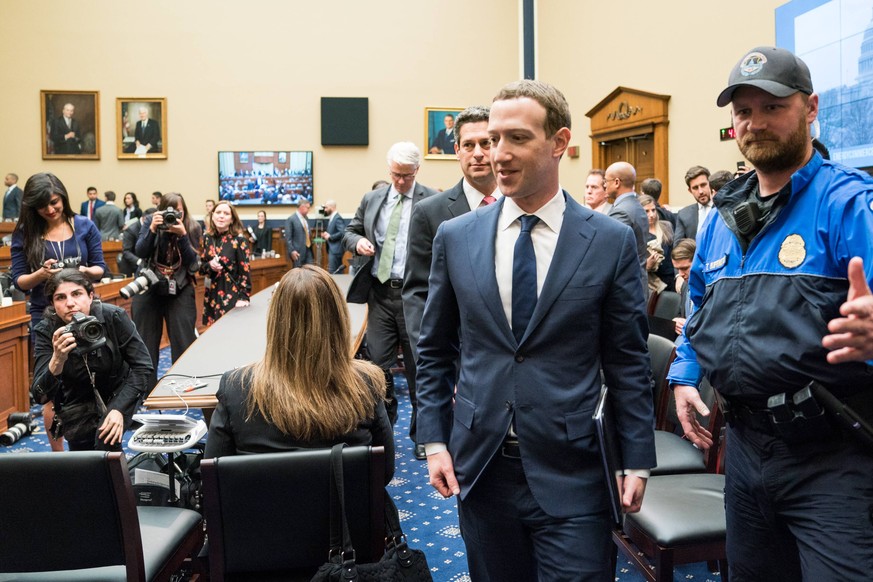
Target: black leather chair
[(676, 455), (72, 516), (667, 304), (268, 515)]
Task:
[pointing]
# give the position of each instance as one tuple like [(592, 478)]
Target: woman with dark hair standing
[(308, 391), (169, 243), (96, 386), (50, 235), (263, 235), (225, 260), (131, 207)]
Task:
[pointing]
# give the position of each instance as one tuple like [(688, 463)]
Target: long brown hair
[(308, 384), (236, 225)]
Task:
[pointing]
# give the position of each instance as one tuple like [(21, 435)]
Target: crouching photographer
[(169, 242), (89, 359)]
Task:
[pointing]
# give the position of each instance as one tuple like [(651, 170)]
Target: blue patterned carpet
[(429, 521)]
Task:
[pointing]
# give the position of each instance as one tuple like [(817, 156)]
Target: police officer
[(782, 299)]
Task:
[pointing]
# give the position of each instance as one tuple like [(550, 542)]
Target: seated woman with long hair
[(308, 391)]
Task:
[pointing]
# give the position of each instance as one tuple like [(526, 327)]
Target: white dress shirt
[(474, 197)]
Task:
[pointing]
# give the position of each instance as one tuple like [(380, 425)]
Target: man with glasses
[(379, 230)]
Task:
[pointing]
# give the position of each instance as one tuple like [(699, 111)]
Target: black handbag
[(76, 422), (399, 563)]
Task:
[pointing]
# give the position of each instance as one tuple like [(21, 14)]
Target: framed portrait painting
[(142, 128), (439, 136), (70, 125)]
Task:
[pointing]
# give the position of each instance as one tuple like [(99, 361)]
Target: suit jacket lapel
[(574, 240), (371, 214), (458, 204), (481, 253)]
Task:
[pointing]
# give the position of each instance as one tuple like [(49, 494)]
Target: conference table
[(237, 339)]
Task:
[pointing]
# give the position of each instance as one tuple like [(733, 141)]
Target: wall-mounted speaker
[(345, 121)]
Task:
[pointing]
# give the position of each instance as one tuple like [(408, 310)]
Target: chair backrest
[(68, 511), (662, 352), (667, 305), (271, 512)]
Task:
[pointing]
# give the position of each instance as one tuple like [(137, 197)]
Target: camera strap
[(101, 406)]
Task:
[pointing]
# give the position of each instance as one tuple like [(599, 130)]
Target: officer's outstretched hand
[(442, 474), (851, 337), (688, 404)]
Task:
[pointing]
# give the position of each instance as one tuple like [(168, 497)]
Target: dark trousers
[(386, 329), (179, 311), (798, 512), (508, 536), (92, 444), (335, 263)]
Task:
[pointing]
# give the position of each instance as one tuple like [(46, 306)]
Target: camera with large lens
[(15, 433), (68, 263), (140, 285), (88, 333), (171, 217)]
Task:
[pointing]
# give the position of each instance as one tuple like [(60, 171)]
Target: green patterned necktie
[(386, 259)]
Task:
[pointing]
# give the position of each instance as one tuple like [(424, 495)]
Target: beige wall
[(681, 48), (249, 75)]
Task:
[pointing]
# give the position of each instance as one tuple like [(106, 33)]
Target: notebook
[(610, 451)]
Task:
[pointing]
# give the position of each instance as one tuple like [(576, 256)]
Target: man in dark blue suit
[(91, 204), (333, 234), (530, 313)]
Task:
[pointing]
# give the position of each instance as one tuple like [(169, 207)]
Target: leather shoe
[(420, 453)]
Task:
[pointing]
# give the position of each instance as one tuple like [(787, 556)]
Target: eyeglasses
[(608, 180), (404, 177)]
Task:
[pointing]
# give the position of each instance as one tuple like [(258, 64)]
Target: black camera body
[(88, 333), (171, 217), (68, 263), (140, 285)]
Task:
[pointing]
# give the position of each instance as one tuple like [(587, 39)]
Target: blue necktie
[(524, 277)]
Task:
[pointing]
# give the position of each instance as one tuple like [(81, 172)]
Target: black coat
[(122, 367), (232, 433)]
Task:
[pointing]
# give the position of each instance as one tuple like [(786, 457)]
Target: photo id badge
[(172, 289)]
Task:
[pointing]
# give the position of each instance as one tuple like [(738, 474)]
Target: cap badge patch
[(752, 64), (792, 252)]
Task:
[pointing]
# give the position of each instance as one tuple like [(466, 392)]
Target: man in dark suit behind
[(66, 133), (477, 188), (333, 234), (619, 180), (297, 241), (530, 314), (90, 206), (148, 133), (12, 198), (379, 230), (689, 219)]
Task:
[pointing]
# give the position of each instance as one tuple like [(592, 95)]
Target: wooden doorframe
[(630, 112)]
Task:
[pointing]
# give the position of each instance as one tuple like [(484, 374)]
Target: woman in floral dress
[(225, 261)]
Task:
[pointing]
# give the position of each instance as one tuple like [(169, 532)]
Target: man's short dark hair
[(149, 211), (473, 114), (552, 100), (719, 179), (91, 189), (693, 172), (652, 187), (109, 195)]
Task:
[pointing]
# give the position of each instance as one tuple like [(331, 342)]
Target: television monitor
[(272, 177)]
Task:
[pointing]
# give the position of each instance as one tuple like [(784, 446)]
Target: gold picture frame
[(141, 128), (70, 137), (439, 139)]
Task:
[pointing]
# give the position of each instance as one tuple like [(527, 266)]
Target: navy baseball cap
[(775, 70)]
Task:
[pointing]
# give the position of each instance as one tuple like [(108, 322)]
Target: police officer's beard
[(769, 155)]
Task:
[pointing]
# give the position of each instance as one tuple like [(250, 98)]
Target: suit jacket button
[(519, 358)]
